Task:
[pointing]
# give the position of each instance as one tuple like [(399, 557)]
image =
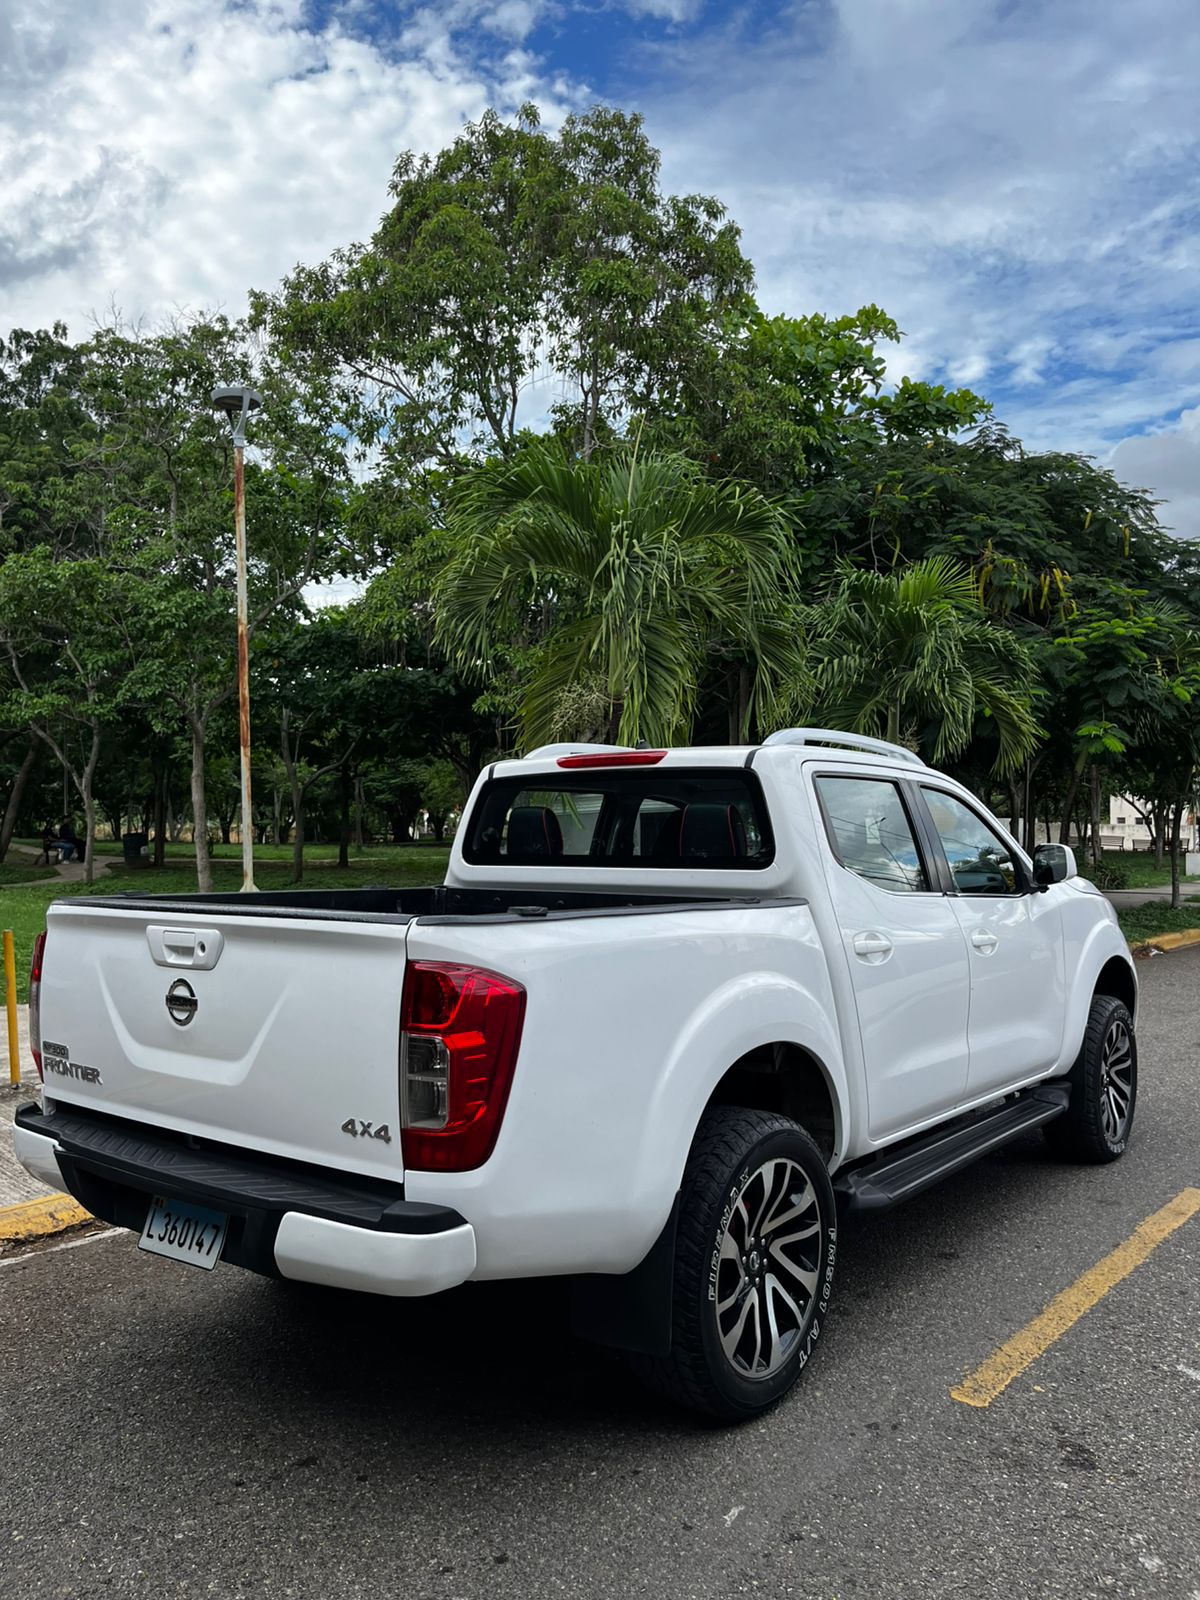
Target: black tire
[(1096, 1125), (733, 1155)]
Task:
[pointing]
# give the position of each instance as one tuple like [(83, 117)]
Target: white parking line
[(69, 1244)]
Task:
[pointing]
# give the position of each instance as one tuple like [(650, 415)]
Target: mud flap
[(632, 1310)]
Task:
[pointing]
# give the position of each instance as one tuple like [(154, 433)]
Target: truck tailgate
[(273, 1033)]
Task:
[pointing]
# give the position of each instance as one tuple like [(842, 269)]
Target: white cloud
[(1015, 183), (678, 11), (1167, 463), (167, 153)]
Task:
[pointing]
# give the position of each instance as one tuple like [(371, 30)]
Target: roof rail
[(849, 741), (576, 748)]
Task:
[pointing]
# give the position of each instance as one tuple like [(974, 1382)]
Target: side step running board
[(896, 1174)]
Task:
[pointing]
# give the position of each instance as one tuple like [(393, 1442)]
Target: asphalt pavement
[(168, 1432)]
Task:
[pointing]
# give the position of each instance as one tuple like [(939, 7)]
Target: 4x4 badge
[(182, 1002)]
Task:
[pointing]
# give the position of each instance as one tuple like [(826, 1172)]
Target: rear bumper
[(320, 1251), (38, 1155), (285, 1219)]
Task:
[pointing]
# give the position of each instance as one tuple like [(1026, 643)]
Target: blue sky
[(1017, 183)]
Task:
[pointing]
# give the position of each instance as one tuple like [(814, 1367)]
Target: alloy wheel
[(1116, 1081), (769, 1262)]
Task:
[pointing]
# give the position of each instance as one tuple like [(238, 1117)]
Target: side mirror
[(1053, 863)]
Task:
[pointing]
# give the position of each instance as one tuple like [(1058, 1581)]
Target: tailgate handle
[(198, 949)]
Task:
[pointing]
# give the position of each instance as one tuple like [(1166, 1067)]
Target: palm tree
[(912, 648), (624, 575)]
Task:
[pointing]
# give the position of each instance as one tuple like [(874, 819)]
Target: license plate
[(184, 1232)]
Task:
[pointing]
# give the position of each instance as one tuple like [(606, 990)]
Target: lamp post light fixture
[(237, 403)]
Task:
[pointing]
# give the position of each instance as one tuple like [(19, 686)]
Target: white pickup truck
[(669, 1010)]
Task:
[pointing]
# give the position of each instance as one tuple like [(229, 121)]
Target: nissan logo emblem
[(181, 1002)]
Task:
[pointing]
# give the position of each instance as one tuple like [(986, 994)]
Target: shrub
[(1108, 875)]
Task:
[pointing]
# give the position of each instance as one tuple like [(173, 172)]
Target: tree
[(67, 661), (1136, 668), (170, 525), (911, 653), (783, 402), (313, 677), (1042, 531), (623, 572), (441, 793), (513, 254), (17, 776), (45, 435)]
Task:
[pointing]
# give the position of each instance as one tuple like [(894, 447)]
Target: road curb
[(1167, 941), (38, 1219)]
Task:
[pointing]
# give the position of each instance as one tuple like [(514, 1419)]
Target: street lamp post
[(237, 404)]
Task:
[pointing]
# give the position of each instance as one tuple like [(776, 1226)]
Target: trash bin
[(133, 846)]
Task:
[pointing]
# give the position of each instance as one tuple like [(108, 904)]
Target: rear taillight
[(35, 1001), (460, 1032)]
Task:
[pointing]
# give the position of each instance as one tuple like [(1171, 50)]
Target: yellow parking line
[(1065, 1310), (36, 1218)]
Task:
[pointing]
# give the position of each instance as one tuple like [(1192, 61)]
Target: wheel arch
[(1098, 963), (786, 1077), (773, 1037), (1116, 977)]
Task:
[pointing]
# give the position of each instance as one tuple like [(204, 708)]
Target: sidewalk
[(16, 1185), (64, 871), (1125, 899)]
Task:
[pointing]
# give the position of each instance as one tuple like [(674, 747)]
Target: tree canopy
[(578, 483)]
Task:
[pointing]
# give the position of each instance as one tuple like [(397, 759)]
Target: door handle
[(874, 947), (983, 941)]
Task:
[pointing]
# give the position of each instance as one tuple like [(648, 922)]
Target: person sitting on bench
[(68, 839), (49, 843)]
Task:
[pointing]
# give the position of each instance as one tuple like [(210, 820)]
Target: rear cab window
[(645, 817)]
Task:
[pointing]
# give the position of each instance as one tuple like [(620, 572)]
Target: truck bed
[(272, 1021)]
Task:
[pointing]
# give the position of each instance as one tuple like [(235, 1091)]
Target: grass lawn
[(24, 910), (17, 871), (1144, 922), (1137, 867)]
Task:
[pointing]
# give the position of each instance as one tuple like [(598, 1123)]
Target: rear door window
[(870, 832), (642, 818)]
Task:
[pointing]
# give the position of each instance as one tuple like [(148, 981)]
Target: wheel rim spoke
[(733, 1336), (805, 1277), (810, 1232), (775, 1349), (775, 1287), (755, 1307), (730, 1251), (767, 1177), (800, 1203), (732, 1298)]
